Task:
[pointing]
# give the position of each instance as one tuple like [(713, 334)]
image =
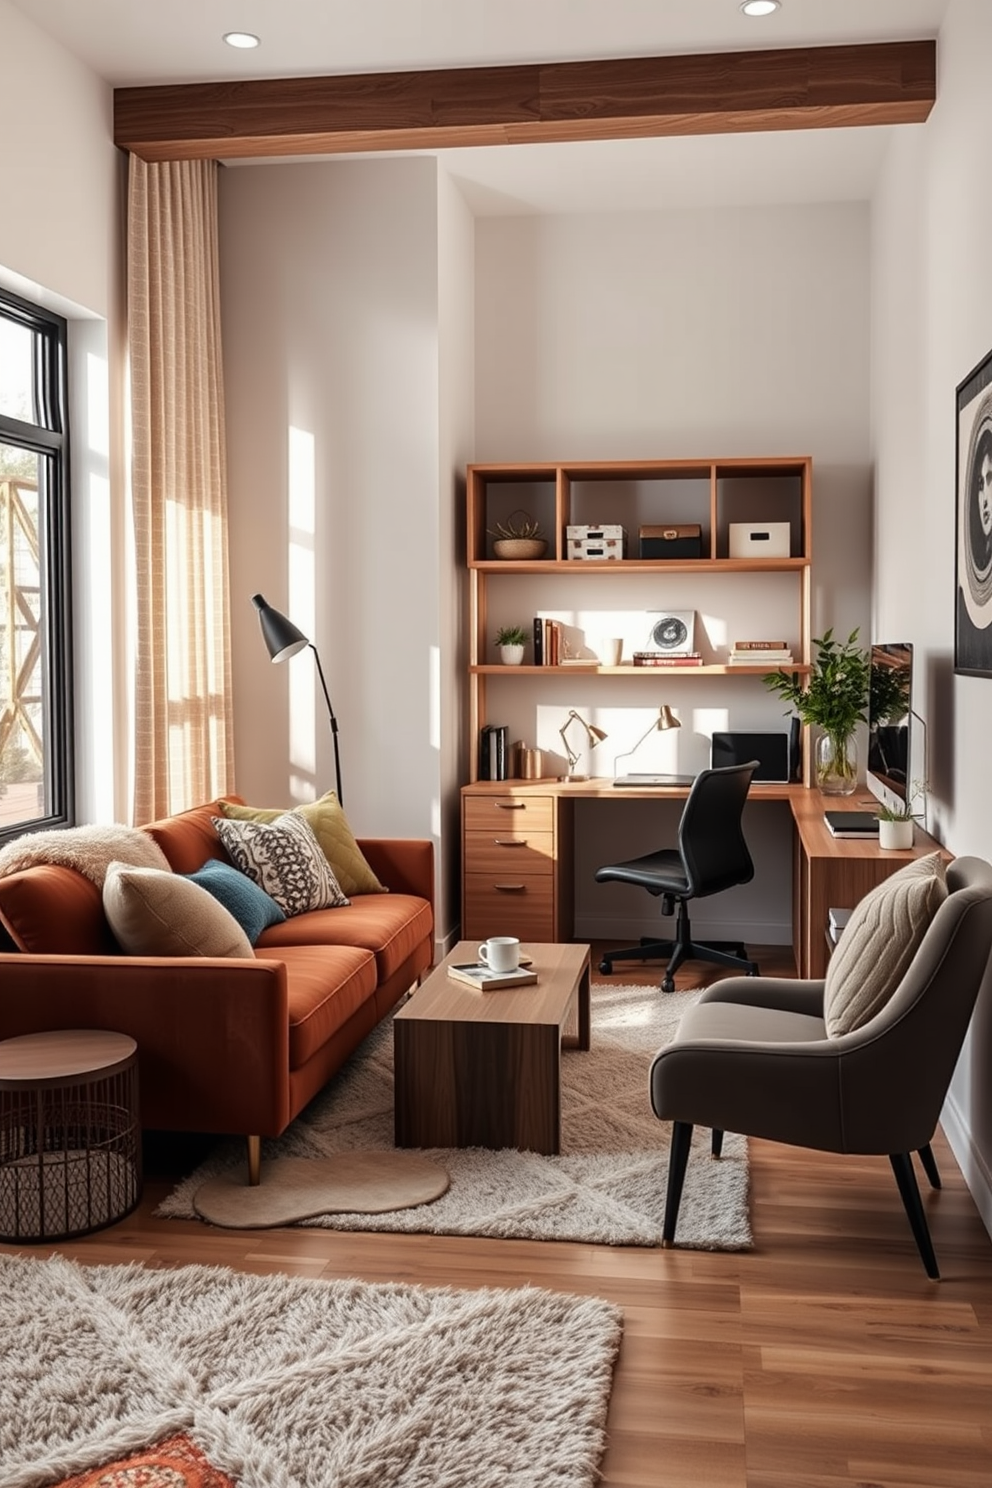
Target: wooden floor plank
[(823, 1358)]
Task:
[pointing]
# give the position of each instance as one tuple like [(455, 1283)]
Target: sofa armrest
[(212, 1034), (403, 864)]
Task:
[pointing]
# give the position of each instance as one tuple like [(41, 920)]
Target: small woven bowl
[(520, 547)]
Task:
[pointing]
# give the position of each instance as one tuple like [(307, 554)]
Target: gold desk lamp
[(666, 720), (595, 735)]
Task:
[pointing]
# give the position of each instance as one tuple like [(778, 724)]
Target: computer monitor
[(890, 714)]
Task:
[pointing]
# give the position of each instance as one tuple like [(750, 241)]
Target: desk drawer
[(508, 815), (509, 904), (509, 854)]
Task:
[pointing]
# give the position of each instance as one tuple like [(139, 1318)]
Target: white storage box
[(760, 540), (596, 542)]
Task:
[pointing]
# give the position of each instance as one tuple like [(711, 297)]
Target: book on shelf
[(851, 823), (760, 658), (538, 641), (477, 974), (659, 659), (761, 646), (494, 751)]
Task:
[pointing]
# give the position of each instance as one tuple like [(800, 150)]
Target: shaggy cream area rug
[(608, 1185), (280, 1382)]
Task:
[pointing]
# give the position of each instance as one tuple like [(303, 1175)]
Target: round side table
[(70, 1142)]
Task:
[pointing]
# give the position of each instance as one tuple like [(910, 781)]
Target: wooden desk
[(517, 858)]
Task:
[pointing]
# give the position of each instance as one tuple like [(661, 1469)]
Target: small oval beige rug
[(295, 1188)]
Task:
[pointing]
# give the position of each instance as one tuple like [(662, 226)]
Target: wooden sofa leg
[(254, 1161)]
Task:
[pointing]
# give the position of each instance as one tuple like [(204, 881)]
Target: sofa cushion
[(326, 985), (156, 913), (240, 895), (54, 911), (88, 849), (285, 858), (189, 838), (391, 926), (879, 941), (331, 828)]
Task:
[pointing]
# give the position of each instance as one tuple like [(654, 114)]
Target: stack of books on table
[(853, 824), (760, 653), (478, 974), (836, 920), (661, 659)]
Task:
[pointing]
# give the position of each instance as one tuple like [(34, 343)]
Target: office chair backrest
[(711, 837)]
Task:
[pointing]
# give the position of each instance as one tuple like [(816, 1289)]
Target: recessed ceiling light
[(241, 39), (760, 7)]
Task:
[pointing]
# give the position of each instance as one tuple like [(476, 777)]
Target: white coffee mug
[(500, 953), (611, 651)]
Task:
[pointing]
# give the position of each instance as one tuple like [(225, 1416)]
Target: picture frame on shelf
[(671, 632), (973, 518)]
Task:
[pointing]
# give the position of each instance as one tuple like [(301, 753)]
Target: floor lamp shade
[(282, 640)]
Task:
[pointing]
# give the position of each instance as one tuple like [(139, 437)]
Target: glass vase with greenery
[(832, 698)]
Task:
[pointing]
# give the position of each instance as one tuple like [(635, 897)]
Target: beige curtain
[(183, 746)]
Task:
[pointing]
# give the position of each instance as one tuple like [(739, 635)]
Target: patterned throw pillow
[(333, 832), (240, 895), (284, 857), (879, 941)]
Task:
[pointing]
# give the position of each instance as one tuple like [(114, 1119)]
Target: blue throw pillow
[(246, 900)]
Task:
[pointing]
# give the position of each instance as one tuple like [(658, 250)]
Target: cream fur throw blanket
[(90, 850)]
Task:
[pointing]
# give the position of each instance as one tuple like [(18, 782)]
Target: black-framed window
[(36, 756)]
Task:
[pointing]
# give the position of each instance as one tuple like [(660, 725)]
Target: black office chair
[(712, 856)]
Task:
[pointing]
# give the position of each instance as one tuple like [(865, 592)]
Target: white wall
[(60, 228), (329, 275), (932, 322), (687, 334)]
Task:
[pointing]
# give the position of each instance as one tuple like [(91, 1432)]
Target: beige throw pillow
[(159, 913), (878, 943), (330, 827)]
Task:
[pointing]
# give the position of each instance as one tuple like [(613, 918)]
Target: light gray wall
[(685, 334), (330, 305), (932, 322), (60, 246)]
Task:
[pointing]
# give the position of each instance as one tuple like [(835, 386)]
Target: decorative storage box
[(760, 540), (672, 540), (596, 542)]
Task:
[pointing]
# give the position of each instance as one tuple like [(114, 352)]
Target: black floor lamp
[(283, 641)]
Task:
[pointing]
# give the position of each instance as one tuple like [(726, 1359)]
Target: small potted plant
[(519, 538), (895, 823), (511, 640), (833, 698)]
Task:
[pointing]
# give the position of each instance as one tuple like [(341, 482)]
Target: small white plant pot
[(895, 834), (511, 655)]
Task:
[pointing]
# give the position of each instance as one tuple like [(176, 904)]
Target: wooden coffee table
[(482, 1069)]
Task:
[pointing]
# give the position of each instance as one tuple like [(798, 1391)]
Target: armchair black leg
[(716, 1144), (929, 1165), (678, 1159), (902, 1167)]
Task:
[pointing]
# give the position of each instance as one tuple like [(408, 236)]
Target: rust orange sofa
[(224, 1045)]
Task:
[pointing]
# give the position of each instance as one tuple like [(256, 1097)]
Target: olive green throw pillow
[(879, 941), (331, 829)]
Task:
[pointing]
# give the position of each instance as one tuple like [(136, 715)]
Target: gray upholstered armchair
[(756, 1055)]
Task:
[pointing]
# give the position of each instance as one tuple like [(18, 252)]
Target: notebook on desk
[(852, 823), (641, 780)]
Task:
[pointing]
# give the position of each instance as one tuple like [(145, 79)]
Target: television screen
[(890, 710)]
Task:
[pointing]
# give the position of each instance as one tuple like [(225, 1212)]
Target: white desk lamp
[(666, 720), (595, 735)]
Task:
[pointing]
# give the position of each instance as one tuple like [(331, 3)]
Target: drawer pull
[(510, 805), (510, 888), (515, 842)]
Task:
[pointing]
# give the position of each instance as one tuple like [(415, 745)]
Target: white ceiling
[(141, 42)]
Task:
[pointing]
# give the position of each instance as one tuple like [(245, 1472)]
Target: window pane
[(22, 710), (16, 378)]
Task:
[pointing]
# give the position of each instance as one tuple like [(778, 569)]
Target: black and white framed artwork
[(973, 540)]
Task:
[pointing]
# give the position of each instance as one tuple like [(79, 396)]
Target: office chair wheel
[(668, 984), (605, 967)]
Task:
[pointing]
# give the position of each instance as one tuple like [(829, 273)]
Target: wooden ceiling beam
[(719, 93)]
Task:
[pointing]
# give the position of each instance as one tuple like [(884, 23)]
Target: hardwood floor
[(823, 1357)]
